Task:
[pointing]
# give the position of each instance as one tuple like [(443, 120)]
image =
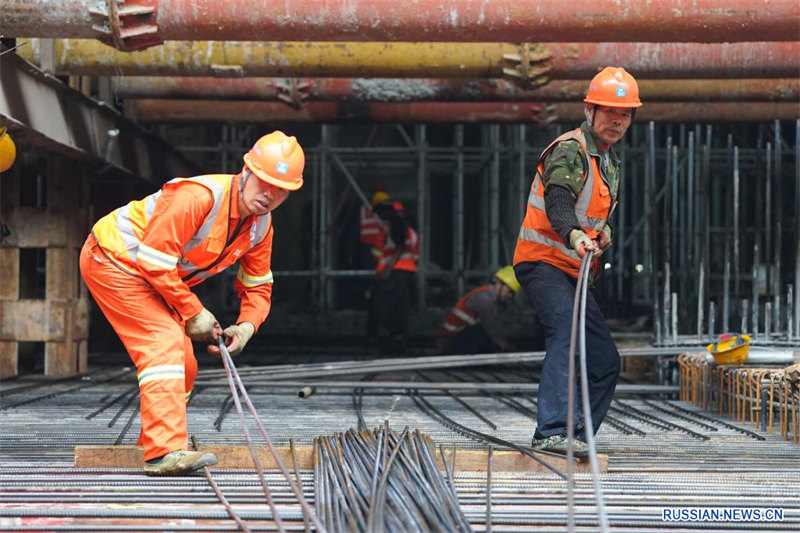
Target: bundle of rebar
[(382, 481), (765, 397)]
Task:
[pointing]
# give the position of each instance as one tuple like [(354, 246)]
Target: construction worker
[(140, 260), (394, 278), (573, 194), (370, 225), (472, 325)]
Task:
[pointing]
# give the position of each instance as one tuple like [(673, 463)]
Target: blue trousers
[(552, 293)]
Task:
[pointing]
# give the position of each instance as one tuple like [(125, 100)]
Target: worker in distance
[(140, 261)]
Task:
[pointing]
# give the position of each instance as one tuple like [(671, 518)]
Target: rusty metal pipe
[(446, 90), (176, 111), (403, 60), (424, 20)]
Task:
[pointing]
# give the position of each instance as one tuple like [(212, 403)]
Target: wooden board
[(239, 457)]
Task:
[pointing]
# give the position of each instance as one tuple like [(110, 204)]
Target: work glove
[(236, 338), (581, 243), (604, 239), (203, 327)]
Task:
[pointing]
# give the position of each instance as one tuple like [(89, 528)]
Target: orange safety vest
[(408, 258), (460, 316), (370, 227), (207, 253), (537, 241)]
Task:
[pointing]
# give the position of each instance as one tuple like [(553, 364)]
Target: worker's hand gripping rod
[(235, 380)]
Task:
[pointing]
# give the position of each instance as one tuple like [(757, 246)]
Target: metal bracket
[(127, 25), (293, 92), (529, 67)]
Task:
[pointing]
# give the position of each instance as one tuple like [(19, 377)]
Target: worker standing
[(395, 272), (573, 194), (473, 325), (140, 260)]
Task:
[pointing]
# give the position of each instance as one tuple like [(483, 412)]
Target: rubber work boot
[(180, 462), (558, 444)]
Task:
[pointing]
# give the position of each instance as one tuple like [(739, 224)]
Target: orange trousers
[(156, 341)]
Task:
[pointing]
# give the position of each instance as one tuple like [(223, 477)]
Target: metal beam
[(178, 111), (40, 110), (536, 63), (449, 90), (388, 20)]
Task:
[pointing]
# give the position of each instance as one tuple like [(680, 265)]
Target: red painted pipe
[(446, 90), (421, 20), (172, 111)]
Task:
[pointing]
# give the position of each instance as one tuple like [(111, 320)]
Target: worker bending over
[(140, 260), (572, 197), (473, 325)]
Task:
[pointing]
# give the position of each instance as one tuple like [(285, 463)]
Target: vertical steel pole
[(422, 213), (650, 225), (778, 184), (324, 217), (736, 194), (315, 227), (494, 196), (795, 314), (458, 211)]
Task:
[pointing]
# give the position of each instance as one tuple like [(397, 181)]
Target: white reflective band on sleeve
[(160, 373), (465, 317), (451, 327), (530, 235), (159, 259), (370, 231), (253, 281)]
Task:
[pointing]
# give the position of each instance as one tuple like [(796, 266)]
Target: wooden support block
[(239, 457), (9, 358), (9, 273)]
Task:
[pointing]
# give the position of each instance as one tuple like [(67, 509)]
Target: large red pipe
[(170, 111), (420, 20), (453, 90)]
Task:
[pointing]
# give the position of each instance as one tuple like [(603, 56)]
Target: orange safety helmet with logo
[(611, 87), (277, 159)]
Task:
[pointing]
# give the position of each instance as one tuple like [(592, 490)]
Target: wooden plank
[(33, 320), (235, 457), (9, 273), (60, 358), (36, 227), (9, 358)]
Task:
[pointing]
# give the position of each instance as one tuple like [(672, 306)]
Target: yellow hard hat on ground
[(8, 152), (506, 276)]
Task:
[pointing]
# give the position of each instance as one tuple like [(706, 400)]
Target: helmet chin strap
[(590, 118)]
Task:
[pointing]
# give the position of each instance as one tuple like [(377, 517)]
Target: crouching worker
[(140, 260), (473, 325)]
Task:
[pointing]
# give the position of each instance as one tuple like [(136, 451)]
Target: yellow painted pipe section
[(282, 59)]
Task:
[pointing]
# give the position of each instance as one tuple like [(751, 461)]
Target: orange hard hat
[(277, 159), (613, 87), (8, 152)]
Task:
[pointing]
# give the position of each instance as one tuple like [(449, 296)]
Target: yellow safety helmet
[(379, 198), (8, 152), (506, 276)]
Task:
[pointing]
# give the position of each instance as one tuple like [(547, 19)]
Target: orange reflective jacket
[(370, 227), (537, 241), (408, 257), (460, 316), (186, 232)]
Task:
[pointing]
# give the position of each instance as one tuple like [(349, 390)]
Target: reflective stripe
[(253, 281), (450, 327), (157, 258), (370, 231), (126, 231), (464, 316), (160, 373), (531, 235)]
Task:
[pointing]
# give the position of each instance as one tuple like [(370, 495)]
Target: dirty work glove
[(235, 339), (581, 243), (203, 327), (604, 239)]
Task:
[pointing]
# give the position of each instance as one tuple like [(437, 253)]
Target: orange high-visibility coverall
[(139, 262)]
